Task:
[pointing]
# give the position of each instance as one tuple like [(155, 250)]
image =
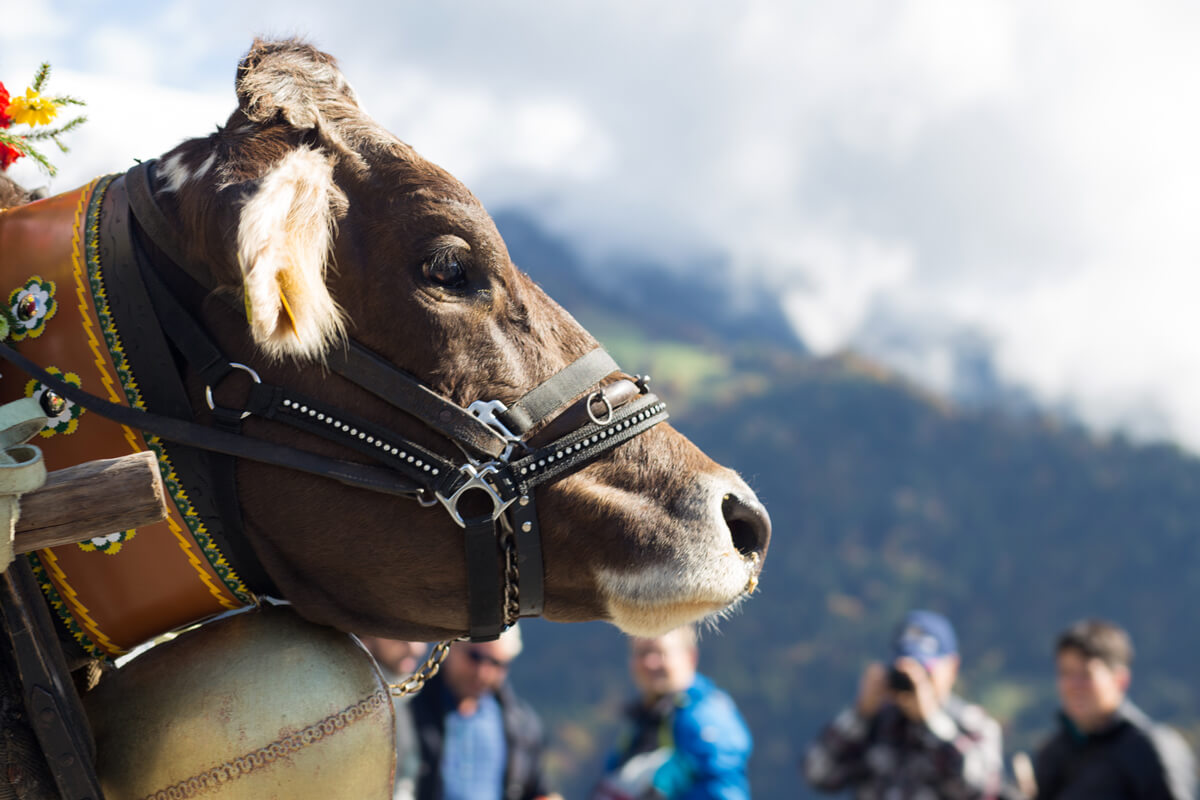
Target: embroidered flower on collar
[(30, 306), (109, 545), (62, 415)]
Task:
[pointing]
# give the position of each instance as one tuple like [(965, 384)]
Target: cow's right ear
[(291, 79), (284, 239)]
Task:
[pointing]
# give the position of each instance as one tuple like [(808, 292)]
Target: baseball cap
[(925, 636)]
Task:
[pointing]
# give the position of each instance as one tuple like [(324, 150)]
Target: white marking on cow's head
[(203, 169), (284, 234), (173, 173)]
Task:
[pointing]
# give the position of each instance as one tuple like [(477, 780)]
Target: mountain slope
[(884, 498)]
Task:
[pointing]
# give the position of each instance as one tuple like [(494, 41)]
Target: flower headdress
[(33, 109)]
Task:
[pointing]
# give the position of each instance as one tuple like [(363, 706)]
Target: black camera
[(898, 681)]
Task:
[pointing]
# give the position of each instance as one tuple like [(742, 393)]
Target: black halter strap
[(501, 464)]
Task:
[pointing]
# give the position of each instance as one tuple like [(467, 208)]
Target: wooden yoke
[(92, 499)]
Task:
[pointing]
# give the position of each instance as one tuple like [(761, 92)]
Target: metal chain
[(413, 683), (512, 610)]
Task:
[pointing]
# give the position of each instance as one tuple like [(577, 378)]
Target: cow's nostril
[(749, 525)]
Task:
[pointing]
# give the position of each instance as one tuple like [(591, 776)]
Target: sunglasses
[(480, 659)]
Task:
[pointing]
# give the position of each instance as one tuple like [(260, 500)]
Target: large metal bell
[(254, 706)]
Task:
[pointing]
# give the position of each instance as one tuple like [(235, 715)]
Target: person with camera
[(908, 735)]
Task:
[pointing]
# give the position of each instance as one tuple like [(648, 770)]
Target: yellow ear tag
[(287, 309)]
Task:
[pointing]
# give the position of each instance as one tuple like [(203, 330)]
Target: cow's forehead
[(448, 202)]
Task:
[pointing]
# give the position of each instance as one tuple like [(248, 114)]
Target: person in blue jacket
[(683, 738)]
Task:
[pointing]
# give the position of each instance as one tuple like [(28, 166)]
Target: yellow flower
[(32, 109)]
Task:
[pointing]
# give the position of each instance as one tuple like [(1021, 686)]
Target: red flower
[(5, 120), (8, 155)]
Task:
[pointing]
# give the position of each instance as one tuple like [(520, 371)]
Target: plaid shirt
[(956, 755)]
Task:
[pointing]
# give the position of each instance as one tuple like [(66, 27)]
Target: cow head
[(324, 225)]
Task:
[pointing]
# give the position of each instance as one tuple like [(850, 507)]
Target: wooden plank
[(92, 499)]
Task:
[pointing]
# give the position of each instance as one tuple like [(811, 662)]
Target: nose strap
[(548, 397)]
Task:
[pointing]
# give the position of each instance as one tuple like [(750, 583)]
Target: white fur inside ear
[(284, 235)]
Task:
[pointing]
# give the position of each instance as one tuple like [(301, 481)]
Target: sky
[(905, 175)]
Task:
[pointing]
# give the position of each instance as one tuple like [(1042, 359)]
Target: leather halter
[(582, 418)]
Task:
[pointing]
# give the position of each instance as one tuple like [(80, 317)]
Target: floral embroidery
[(30, 307), (110, 544), (63, 415)]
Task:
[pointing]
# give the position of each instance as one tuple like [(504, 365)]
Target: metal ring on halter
[(593, 397), (208, 397)]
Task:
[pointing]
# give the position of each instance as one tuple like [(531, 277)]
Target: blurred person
[(908, 735), (684, 738), (1105, 747), (397, 660), (477, 740)]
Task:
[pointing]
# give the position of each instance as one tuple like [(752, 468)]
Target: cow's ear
[(284, 237), (293, 80)]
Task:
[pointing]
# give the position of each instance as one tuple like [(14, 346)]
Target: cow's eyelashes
[(446, 270)]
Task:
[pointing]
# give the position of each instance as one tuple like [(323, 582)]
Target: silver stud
[(427, 468), (321, 417), (304, 408), (435, 472), (524, 470), (527, 526), (287, 403), (370, 440), (395, 450), (524, 498), (362, 435), (419, 463)]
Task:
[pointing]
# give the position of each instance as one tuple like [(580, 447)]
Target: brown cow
[(324, 227)]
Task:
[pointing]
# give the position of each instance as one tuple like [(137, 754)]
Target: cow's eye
[(446, 270)]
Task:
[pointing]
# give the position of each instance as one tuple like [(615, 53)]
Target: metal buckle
[(485, 411), (476, 479), (208, 395)]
